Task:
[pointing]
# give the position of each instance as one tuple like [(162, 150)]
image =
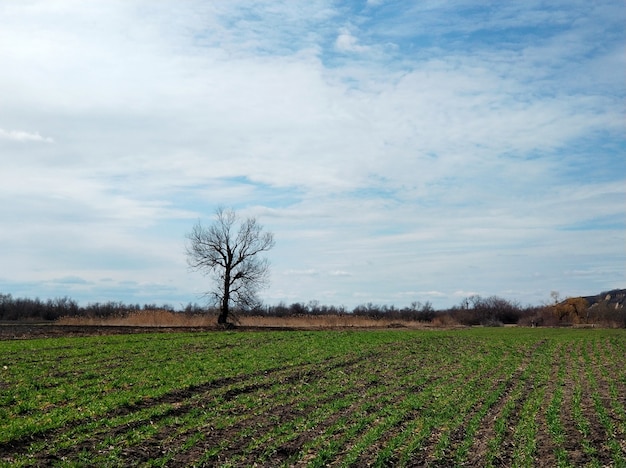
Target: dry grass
[(144, 318), (163, 318), (445, 321), (326, 321)]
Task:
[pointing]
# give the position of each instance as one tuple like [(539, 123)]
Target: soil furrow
[(546, 455), (463, 398), (176, 397), (369, 456), (257, 421), (487, 430), (572, 436)]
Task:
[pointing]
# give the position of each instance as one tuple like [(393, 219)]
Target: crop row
[(487, 397)]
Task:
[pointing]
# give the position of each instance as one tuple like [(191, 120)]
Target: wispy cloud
[(392, 147), (22, 136), (340, 273), (309, 272)]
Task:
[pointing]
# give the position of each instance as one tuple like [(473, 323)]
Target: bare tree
[(228, 250)]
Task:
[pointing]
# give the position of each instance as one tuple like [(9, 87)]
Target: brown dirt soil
[(573, 437), (26, 331)]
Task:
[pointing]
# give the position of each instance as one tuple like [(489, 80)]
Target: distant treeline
[(52, 309), (475, 310)]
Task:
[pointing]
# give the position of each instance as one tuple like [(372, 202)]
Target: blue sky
[(399, 151)]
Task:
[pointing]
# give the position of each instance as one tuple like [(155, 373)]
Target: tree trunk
[(223, 317)]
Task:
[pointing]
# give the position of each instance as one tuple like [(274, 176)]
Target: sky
[(399, 150)]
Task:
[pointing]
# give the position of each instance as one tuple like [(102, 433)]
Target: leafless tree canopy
[(228, 250)]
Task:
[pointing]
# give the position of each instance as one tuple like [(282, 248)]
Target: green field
[(479, 397)]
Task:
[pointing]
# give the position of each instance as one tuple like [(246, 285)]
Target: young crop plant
[(553, 415), (473, 397), (525, 435), (602, 412)]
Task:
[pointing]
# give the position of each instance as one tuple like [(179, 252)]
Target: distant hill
[(614, 299)]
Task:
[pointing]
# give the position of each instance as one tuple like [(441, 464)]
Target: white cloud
[(22, 136), (465, 294), (308, 272), (340, 273), (347, 42)]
